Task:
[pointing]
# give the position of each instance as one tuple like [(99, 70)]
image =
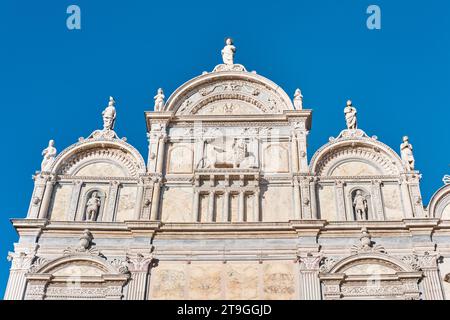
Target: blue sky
[(54, 82)]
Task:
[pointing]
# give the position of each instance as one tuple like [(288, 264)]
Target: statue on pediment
[(49, 155), (350, 116), (228, 52), (406, 151), (298, 99), (159, 100)]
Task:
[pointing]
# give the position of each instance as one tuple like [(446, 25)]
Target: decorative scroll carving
[(366, 244)]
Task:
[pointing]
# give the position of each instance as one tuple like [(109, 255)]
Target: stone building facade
[(227, 206)]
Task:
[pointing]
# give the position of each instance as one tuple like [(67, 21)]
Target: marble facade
[(229, 205)]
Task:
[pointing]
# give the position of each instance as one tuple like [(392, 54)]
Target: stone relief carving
[(49, 155), (406, 151), (327, 263), (350, 116), (446, 179), (366, 245), (159, 100), (218, 155)]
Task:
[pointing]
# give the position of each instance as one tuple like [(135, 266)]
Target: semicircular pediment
[(228, 93)]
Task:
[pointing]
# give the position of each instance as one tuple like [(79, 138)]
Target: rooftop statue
[(109, 115), (228, 52), (298, 99), (159, 100), (49, 155), (406, 151), (350, 116)]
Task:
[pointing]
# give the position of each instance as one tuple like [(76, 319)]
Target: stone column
[(74, 199), (241, 206), (313, 190), (340, 204), (306, 198), (297, 207), (20, 265), (407, 207), (195, 206), (110, 208), (155, 200), (226, 204), (139, 269), (43, 212), (38, 194), (210, 217), (377, 201), (432, 284), (294, 153), (309, 278), (161, 153), (139, 197), (256, 206)]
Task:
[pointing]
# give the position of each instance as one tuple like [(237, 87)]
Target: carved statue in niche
[(49, 155), (228, 52), (159, 100), (406, 151), (92, 207), (360, 206), (350, 116)]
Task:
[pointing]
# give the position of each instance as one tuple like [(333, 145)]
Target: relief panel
[(181, 159), (276, 158)]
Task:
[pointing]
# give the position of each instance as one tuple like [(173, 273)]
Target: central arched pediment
[(227, 93)]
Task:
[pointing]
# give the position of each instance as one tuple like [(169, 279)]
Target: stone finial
[(366, 238), (446, 179), (228, 52), (109, 115), (406, 152), (159, 100), (49, 155), (366, 245), (298, 99), (350, 116)]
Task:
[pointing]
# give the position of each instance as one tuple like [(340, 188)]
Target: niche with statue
[(94, 204), (360, 204)]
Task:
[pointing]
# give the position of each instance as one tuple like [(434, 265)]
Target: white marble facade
[(230, 205)]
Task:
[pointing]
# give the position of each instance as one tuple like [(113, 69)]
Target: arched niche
[(439, 206), (369, 276), (99, 158), (355, 157), (76, 277), (228, 93)]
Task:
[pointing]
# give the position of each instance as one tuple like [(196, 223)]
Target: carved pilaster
[(256, 208), (241, 207), (38, 194), (110, 209), (20, 264), (432, 284), (340, 198), (139, 202), (313, 190), (74, 200), (406, 199), (377, 200), (138, 266), (306, 198), (211, 200), (155, 200), (147, 202), (309, 277), (43, 211), (297, 206)]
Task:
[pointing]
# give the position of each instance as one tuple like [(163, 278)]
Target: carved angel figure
[(360, 206), (49, 155), (350, 116), (92, 207), (159, 100), (228, 52), (406, 151)]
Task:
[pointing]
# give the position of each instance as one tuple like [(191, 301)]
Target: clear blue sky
[(54, 83)]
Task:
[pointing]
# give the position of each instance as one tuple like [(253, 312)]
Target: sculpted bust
[(350, 116), (228, 52), (49, 155), (93, 204)]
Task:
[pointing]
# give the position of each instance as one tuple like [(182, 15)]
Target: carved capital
[(310, 262), (139, 262)]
